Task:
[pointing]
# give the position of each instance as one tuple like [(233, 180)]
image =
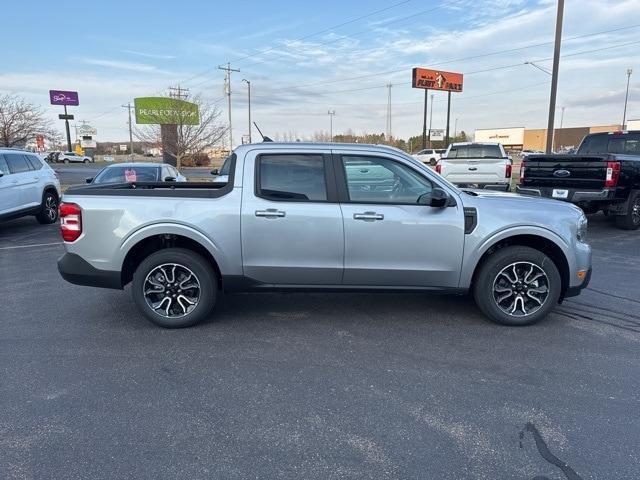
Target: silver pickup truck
[(320, 217)]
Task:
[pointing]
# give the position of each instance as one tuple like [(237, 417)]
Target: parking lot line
[(32, 245)]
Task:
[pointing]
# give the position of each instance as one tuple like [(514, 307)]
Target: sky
[(306, 58)]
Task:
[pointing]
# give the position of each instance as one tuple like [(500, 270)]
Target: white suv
[(67, 157), (430, 156), (28, 186)]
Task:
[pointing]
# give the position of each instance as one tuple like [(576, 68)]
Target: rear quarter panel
[(112, 225)]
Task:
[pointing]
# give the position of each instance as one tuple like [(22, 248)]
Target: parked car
[(52, 157), (526, 153), (28, 186), (430, 155), (137, 172), (604, 174), (296, 216), (68, 157), (481, 165)]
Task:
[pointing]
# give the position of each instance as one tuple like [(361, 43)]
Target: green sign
[(165, 111)]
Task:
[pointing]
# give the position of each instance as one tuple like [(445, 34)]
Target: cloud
[(120, 65), (149, 55)]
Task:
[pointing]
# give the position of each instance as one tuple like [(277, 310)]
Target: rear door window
[(17, 162), (296, 177), (35, 162), (4, 168)]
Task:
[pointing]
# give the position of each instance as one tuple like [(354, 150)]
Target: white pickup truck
[(483, 165)]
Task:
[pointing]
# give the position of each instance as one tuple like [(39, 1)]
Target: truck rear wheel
[(631, 220), (517, 286), (175, 288)]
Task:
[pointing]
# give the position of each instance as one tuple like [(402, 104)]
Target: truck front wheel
[(631, 220), (175, 288), (517, 286)]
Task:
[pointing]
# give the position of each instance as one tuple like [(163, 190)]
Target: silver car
[(308, 216)]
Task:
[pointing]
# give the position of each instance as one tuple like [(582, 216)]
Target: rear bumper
[(574, 291), (75, 269), (575, 195)]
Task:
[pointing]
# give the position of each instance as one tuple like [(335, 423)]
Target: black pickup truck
[(604, 174)]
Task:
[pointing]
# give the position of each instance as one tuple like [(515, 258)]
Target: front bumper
[(575, 291), (75, 269)]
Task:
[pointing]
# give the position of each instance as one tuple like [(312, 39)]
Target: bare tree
[(188, 139), (20, 122)]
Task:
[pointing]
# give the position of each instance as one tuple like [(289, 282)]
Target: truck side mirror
[(439, 198), (88, 179), (169, 179), (215, 171)]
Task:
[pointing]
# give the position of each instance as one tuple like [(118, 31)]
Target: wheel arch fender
[(539, 238), (169, 230)]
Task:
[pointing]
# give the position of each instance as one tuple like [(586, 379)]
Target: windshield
[(475, 151), (122, 174)]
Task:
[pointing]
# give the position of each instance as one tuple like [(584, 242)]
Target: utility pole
[(331, 114), (176, 92), (554, 76), (626, 98), (446, 142), (389, 133), (431, 120), (128, 106), (455, 129), (424, 119), (227, 85), (249, 95)]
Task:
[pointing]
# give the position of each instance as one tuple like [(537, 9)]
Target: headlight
[(581, 232)]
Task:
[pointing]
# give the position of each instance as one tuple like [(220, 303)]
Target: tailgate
[(567, 171), (472, 170)]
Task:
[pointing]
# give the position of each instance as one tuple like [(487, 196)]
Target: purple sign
[(62, 97)]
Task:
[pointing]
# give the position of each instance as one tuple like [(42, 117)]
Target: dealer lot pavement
[(315, 385)]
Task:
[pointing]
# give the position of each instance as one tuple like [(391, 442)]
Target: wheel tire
[(483, 288), (631, 220), (66, 160), (433, 162), (205, 276), (48, 213), (86, 160)]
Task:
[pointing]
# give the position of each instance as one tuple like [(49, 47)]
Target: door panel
[(23, 179), (291, 232), (9, 189), (390, 238)]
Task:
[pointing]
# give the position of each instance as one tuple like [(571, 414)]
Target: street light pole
[(331, 113), (554, 76), (249, 96), (626, 97)]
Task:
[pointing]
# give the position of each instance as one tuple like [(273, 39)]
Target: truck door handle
[(270, 213), (473, 169), (368, 216)]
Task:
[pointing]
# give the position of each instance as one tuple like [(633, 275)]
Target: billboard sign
[(165, 111), (63, 97), (123, 147), (87, 143), (85, 130), (436, 134), (508, 137), (437, 80)]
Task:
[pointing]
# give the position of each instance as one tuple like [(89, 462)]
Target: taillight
[(522, 169), (439, 168), (613, 174), (70, 221), (507, 171)]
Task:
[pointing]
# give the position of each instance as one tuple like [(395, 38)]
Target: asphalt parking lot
[(316, 386)]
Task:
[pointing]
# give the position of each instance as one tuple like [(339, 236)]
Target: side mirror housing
[(215, 171), (169, 179), (1, 173), (88, 179), (439, 198)]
